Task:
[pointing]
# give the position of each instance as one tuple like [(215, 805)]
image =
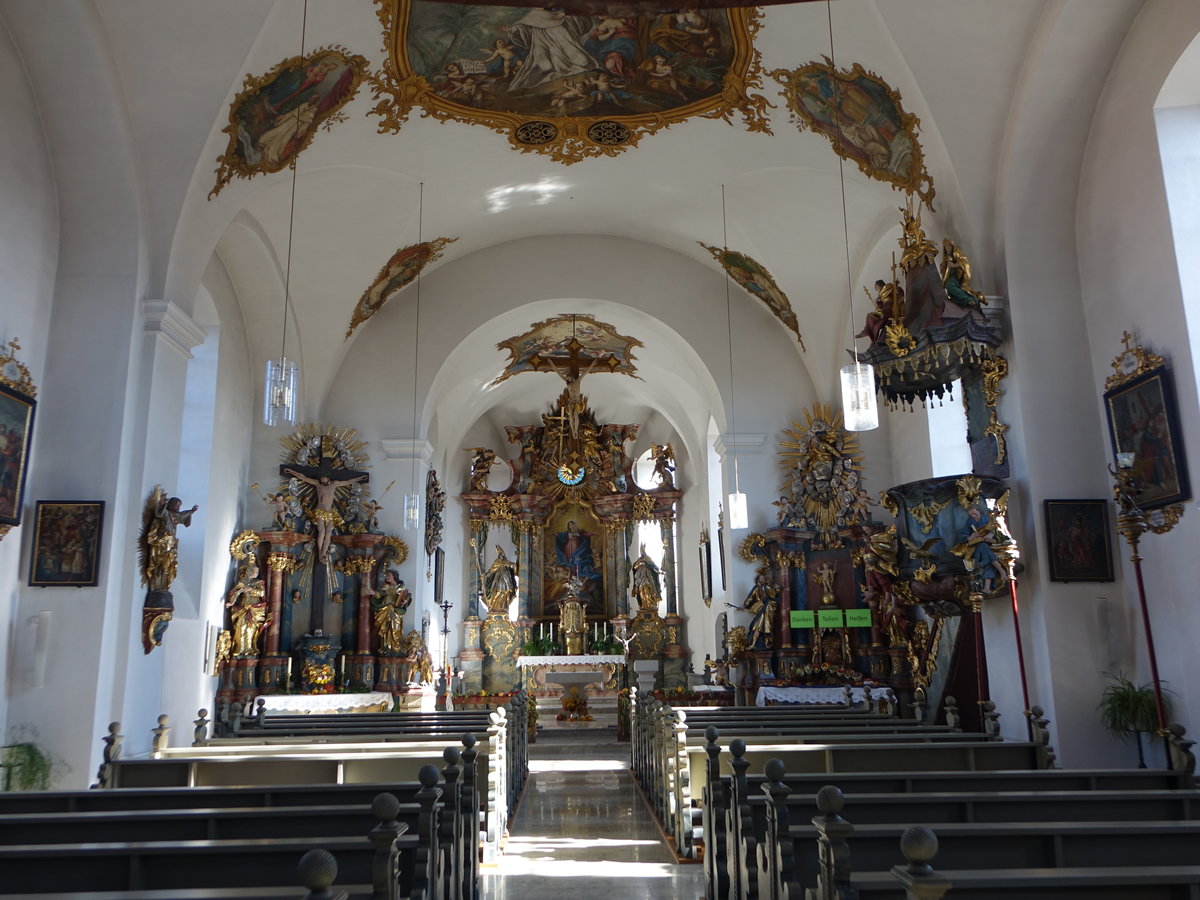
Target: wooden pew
[(120, 864), (459, 828), (989, 858), (321, 761), (317, 871)]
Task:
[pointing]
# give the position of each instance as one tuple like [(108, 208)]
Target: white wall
[(28, 257), (1130, 281)]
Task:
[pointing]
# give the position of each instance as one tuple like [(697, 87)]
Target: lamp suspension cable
[(860, 411), (412, 500), (738, 515), (281, 390)]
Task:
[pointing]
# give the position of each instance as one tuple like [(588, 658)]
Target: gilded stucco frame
[(918, 182), (232, 164), (398, 90)]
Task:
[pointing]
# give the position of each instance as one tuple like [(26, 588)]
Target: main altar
[(571, 514)]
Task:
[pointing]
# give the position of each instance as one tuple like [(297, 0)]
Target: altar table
[(534, 668), (815, 694), (308, 704)]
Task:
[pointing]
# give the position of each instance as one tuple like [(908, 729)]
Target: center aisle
[(581, 818)]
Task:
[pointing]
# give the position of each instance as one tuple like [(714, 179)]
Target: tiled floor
[(582, 830)]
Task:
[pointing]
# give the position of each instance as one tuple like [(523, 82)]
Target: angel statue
[(158, 559), (481, 465), (422, 662), (956, 277), (664, 464)]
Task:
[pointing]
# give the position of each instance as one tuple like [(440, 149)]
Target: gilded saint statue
[(159, 558), (391, 600), (572, 620), (645, 583), (500, 584), (248, 612), (422, 662), (762, 603), (664, 464)]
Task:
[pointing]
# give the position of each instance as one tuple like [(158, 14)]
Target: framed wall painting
[(66, 543), (1142, 419), (439, 575), (706, 572), (16, 430), (1078, 540)]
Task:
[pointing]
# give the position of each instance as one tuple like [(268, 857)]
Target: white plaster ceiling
[(957, 64)]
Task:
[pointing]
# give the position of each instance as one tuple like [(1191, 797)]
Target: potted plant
[(26, 764), (1128, 709)]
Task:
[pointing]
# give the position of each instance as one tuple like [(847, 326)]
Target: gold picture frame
[(628, 76)]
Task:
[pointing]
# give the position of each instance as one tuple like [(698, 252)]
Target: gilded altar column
[(666, 529)]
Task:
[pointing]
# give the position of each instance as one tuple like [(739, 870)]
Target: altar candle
[(541, 630), (289, 674), (342, 670), (595, 631), (552, 632)]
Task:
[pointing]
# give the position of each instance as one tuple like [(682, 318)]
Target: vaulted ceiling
[(963, 66)]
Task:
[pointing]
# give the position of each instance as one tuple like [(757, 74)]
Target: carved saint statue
[(645, 583), (826, 574), (248, 612), (159, 558), (762, 603), (500, 584), (391, 601), (956, 277)]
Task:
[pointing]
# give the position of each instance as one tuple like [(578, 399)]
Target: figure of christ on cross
[(325, 481)]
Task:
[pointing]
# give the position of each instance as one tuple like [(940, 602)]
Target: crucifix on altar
[(323, 479)]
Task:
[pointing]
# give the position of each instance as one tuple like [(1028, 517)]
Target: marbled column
[(524, 564), (667, 530)]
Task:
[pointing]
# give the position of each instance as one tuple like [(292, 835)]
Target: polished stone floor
[(582, 830)]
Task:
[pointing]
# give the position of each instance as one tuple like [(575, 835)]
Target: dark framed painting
[(1078, 540), (1142, 420), (439, 575), (16, 430), (721, 554), (66, 543), (706, 571)]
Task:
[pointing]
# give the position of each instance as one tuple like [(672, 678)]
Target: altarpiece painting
[(17, 406)]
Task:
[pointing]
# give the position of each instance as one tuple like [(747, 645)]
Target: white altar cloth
[(307, 704), (556, 662), (815, 694)]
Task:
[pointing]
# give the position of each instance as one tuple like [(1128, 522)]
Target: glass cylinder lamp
[(738, 516), (282, 392), (859, 408), (412, 511)]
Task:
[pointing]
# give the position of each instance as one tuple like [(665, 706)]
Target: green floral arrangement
[(539, 646), (607, 645)]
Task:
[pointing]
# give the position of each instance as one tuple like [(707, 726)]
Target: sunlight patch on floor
[(578, 765)]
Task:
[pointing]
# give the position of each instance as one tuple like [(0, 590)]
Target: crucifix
[(324, 479)]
